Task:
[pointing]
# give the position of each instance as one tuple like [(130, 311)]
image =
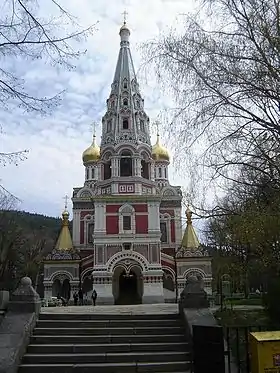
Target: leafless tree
[(223, 72), (26, 35)]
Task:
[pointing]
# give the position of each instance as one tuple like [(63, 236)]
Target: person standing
[(81, 296), (94, 296), (75, 297)]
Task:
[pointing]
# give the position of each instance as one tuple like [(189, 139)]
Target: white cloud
[(56, 142)]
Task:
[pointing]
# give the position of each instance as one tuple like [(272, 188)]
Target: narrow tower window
[(92, 173), (142, 125), (87, 173), (125, 102), (144, 169), (125, 124), (163, 230), (126, 164), (90, 232), (107, 170), (165, 173), (159, 172), (125, 85), (109, 125)]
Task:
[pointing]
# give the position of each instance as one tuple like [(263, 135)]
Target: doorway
[(128, 291)]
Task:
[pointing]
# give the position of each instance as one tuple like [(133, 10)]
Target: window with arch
[(126, 219), (126, 164), (87, 173), (165, 173), (109, 125), (163, 230), (92, 173), (145, 169), (125, 125), (125, 102), (159, 172), (90, 231), (107, 170), (142, 125), (127, 223)]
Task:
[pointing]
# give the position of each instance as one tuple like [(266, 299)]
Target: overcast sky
[(55, 143)]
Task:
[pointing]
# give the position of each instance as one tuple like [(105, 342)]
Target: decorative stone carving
[(193, 295), (25, 298)]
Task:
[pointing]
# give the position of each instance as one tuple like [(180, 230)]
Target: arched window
[(127, 219), (87, 173), (159, 172), (107, 170), (92, 173), (125, 84), (144, 169), (90, 231), (125, 123), (126, 164), (109, 125), (125, 102), (142, 125), (163, 230)]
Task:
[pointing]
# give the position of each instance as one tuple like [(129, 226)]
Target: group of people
[(79, 296)]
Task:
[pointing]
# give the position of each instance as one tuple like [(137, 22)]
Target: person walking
[(81, 296), (93, 297)]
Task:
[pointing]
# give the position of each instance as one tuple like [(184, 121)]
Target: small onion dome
[(65, 215), (159, 152), (124, 27), (91, 154)]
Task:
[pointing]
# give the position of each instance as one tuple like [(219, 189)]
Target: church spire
[(125, 120), (190, 240), (64, 241)]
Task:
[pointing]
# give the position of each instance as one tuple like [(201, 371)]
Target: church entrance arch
[(127, 284)]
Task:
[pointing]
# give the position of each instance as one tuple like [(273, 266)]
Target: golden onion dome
[(91, 154), (159, 152)]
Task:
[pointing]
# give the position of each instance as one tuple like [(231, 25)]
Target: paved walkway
[(139, 309)]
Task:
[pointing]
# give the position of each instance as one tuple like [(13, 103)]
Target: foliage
[(27, 35), (24, 240), (223, 72)]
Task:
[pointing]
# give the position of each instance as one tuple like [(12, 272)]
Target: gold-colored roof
[(159, 152), (266, 336), (91, 154), (64, 241), (190, 240)]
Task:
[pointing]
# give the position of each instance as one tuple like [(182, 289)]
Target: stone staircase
[(96, 343)]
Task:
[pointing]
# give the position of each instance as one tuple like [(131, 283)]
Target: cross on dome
[(125, 13), (94, 124), (65, 201)]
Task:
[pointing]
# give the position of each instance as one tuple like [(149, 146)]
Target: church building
[(127, 227)]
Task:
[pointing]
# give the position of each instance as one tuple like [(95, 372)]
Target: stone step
[(162, 367), (108, 347), (109, 331), (108, 323), (97, 339), (100, 316), (111, 357)]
